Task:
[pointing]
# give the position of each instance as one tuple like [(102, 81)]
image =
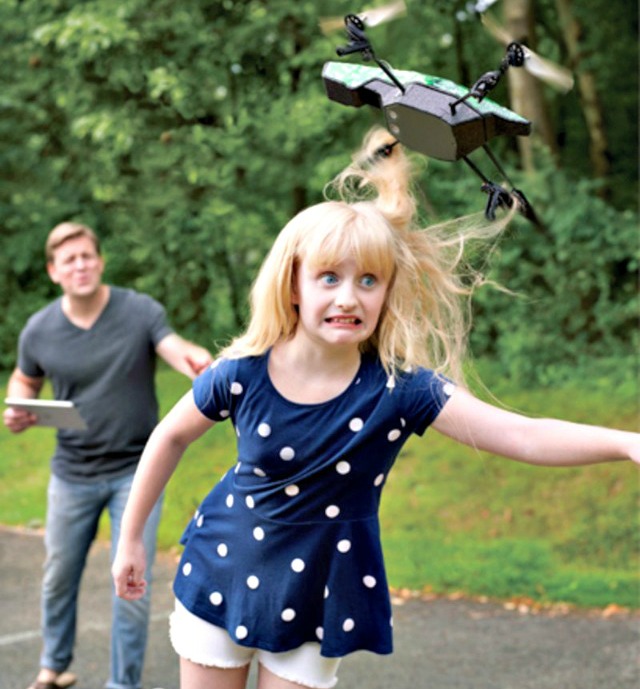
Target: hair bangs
[(357, 231)]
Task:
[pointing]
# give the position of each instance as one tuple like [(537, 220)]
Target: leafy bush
[(573, 281)]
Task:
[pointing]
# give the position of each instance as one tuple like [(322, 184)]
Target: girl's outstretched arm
[(166, 445), (547, 442)]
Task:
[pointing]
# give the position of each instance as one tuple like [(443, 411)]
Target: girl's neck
[(311, 375)]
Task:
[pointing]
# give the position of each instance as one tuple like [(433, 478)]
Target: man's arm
[(182, 355), (21, 385)]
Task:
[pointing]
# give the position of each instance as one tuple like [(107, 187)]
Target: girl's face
[(338, 304)]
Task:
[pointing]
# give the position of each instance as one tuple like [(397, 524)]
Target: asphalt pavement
[(439, 644)]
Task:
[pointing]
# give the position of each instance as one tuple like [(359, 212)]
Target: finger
[(136, 587), (128, 585)]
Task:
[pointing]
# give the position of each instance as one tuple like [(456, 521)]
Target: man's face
[(77, 267)]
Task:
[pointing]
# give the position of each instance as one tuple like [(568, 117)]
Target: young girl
[(355, 316)]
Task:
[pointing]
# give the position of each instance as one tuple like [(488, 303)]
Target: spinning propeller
[(371, 17), (551, 73)]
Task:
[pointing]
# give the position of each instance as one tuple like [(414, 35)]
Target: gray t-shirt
[(108, 371)]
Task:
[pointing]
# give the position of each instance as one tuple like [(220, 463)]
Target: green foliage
[(575, 285), (451, 519), (505, 569), (188, 133)]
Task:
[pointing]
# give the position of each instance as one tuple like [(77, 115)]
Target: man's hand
[(198, 358), (18, 420), (186, 357)]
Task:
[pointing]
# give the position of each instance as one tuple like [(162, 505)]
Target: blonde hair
[(63, 233), (426, 317)]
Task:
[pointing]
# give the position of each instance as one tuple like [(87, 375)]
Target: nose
[(345, 298), (81, 262)]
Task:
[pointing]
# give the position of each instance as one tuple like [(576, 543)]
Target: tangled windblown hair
[(426, 317)]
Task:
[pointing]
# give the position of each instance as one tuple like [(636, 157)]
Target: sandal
[(62, 681)]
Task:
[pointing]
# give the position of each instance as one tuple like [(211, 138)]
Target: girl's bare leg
[(194, 676), (267, 680)]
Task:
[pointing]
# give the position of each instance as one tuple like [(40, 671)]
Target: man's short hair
[(64, 232)]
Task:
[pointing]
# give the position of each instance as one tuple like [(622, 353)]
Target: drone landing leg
[(496, 162), (497, 195), (476, 169), (524, 206)]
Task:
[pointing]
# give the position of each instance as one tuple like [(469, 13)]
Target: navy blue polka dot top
[(286, 547)]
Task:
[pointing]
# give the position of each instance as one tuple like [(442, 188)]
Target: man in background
[(97, 345)]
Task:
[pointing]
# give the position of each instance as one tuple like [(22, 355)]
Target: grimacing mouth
[(348, 320)]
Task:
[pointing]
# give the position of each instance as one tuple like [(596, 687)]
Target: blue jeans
[(73, 513)]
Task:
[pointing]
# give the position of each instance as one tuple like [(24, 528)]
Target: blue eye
[(368, 280), (329, 278)]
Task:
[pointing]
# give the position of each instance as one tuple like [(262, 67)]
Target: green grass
[(452, 519)]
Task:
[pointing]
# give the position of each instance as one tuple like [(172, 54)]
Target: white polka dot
[(229, 500), (403, 423), (391, 382), (215, 598), (236, 388), (288, 614), (379, 479), (259, 472), (222, 550), (448, 389), (297, 565), (264, 430), (319, 633), (200, 521), (224, 413), (344, 546), (369, 581), (332, 511), (250, 502), (394, 435), (343, 468), (241, 632), (287, 453), (326, 592), (292, 490), (253, 582), (356, 424), (348, 625), (258, 533), (186, 569)]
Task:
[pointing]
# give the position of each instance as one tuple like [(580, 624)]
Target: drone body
[(431, 115), (427, 114)]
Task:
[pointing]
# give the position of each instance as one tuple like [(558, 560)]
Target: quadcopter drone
[(431, 115)]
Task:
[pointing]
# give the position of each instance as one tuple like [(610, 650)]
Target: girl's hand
[(128, 571), (634, 452)]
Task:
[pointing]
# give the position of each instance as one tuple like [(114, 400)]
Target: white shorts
[(205, 644)]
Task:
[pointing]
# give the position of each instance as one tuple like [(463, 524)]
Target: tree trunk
[(527, 97), (591, 106)]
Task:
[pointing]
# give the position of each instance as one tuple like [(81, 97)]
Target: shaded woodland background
[(187, 133)]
